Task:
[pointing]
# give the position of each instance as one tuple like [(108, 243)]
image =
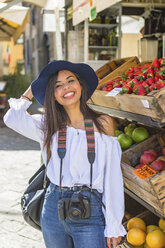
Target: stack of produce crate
[(142, 93), (142, 90)]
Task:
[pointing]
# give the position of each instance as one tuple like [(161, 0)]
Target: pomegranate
[(147, 158), (151, 151), (158, 165)]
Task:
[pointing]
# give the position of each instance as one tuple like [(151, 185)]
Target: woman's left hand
[(113, 242)]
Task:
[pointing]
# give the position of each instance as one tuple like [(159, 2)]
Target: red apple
[(147, 158), (158, 165), (139, 166), (163, 150), (152, 151)]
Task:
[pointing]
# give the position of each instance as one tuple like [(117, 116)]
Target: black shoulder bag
[(33, 197)]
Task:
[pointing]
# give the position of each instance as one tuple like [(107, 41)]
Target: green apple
[(139, 134), (129, 132), (131, 126), (117, 132), (125, 141)]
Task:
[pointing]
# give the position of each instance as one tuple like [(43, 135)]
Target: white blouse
[(107, 175)]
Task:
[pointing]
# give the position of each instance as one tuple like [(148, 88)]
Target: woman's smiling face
[(67, 88)]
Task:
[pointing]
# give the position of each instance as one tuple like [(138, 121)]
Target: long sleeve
[(113, 196), (20, 121)]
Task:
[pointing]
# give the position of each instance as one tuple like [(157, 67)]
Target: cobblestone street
[(19, 159)]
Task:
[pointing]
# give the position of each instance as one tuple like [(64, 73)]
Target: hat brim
[(85, 72)]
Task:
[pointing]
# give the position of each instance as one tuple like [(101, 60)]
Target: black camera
[(75, 208)]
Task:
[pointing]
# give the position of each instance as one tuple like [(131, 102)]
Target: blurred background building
[(86, 31)]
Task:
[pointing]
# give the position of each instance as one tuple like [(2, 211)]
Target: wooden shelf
[(142, 202), (142, 5), (97, 25), (102, 47), (127, 115), (140, 119)]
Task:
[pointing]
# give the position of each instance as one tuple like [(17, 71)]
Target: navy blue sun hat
[(85, 72)]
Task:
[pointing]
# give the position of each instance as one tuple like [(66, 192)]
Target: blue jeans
[(86, 233)]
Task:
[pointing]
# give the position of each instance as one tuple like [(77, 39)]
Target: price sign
[(114, 92), (144, 172)]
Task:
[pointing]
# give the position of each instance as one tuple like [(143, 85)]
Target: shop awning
[(82, 8), (12, 22), (40, 3)]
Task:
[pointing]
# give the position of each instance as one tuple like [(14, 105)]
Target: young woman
[(74, 215)]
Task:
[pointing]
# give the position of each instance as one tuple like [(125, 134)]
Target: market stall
[(139, 125)]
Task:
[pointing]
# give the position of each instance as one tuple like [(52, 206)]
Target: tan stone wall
[(130, 45), (16, 53)]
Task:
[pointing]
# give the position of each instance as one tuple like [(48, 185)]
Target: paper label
[(145, 103), (144, 172), (114, 92)]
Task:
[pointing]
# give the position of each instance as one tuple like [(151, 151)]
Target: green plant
[(17, 83)]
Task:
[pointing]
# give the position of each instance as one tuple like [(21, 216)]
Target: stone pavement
[(19, 159)]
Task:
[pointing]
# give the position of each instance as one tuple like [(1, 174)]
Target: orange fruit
[(151, 228), (155, 239), (162, 224), (136, 222), (136, 236)]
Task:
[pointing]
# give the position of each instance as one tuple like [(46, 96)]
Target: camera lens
[(75, 214)]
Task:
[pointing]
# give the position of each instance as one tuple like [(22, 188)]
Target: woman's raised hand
[(28, 95)]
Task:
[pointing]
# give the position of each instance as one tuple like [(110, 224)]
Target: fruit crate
[(114, 68), (109, 67), (151, 105), (150, 190), (148, 217)]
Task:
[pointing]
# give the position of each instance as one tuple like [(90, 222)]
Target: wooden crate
[(109, 67), (152, 105), (151, 189), (148, 217), (120, 66)]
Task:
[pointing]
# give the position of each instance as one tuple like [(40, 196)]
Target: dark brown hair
[(55, 114)]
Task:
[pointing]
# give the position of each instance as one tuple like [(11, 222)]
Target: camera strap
[(89, 128), (61, 148)]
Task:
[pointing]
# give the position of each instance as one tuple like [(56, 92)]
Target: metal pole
[(86, 35), (120, 33)]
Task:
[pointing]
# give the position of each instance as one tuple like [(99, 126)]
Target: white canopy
[(40, 3), (12, 22)]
